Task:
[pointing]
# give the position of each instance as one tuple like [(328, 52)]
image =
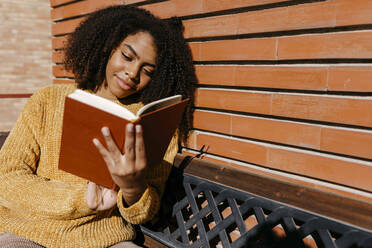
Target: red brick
[(244, 49), (350, 78), (355, 44)]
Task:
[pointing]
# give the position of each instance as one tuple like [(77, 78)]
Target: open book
[(84, 116)]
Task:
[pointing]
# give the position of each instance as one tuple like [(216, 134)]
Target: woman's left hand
[(128, 170), (100, 198)]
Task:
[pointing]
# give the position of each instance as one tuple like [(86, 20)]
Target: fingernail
[(138, 128), (95, 141), (105, 131), (130, 127)]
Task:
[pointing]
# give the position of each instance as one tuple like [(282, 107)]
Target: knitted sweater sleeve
[(148, 205), (21, 189)]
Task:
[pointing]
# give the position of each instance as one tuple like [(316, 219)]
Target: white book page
[(159, 104), (102, 103)]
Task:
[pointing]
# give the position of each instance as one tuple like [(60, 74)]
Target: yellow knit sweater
[(48, 206)]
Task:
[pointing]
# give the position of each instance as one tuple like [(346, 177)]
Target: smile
[(125, 85)]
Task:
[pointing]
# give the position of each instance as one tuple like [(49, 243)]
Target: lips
[(124, 84)]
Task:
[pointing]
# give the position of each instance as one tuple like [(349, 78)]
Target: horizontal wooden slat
[(345, 110), (353, 173), (336, 140)]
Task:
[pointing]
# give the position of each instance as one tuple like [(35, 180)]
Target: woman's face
[(130, 66)]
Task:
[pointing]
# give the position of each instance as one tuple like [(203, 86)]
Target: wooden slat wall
[(284, 86)]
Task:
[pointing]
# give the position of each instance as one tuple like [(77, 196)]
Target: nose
[(133, 72)]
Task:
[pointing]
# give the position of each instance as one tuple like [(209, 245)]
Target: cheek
[(144, 82), (113, 64), (109, 68)]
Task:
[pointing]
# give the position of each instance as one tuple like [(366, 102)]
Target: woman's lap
[(10, 240), (125, 244)]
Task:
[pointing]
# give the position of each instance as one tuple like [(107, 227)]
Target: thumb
[(92, 196)]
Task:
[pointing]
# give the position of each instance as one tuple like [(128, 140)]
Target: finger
[(140, 148), (102, 150), (108, 199), (111, 145), (91, 196), (129, 143)]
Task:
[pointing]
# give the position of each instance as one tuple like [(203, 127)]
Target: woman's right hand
[(100, 198), (127, 170)]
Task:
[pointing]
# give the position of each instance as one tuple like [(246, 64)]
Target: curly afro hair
[(89, 48)]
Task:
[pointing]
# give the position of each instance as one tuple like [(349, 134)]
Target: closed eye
[(126, 57), (148, 72)]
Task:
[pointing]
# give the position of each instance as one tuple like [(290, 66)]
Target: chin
[(124, 94)]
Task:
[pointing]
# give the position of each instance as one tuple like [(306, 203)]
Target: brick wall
[(25, 57), (284, 86)]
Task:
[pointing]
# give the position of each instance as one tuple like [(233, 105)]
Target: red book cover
[(82, 123)]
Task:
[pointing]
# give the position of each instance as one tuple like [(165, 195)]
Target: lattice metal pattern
[(211, 215)]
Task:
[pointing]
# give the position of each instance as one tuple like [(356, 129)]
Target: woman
[(123, 54)]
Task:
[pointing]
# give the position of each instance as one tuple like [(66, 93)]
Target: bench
[(207, 204), (211, 205)]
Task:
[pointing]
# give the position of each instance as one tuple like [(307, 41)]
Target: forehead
[(143, 45)]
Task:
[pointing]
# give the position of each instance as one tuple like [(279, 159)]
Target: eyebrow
[(135, 54)]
